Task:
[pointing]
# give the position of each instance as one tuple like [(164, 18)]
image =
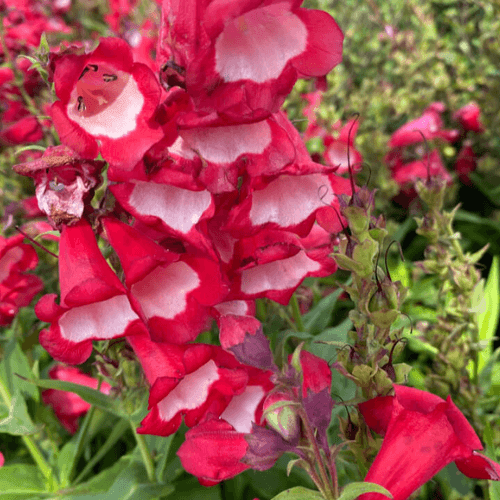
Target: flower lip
[(105, 101)]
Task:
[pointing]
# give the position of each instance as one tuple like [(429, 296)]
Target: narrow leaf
[(92, 396), (487, 316)]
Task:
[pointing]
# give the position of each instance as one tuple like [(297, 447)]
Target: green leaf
[(15, 361), (318, 318), (132, 484), (44, 47), (126, 480), (493, 486), (299, 493), (92, 396), (20, 481), (18, 421), (98, 484), (354, 490), (65, 462), (487, 317)]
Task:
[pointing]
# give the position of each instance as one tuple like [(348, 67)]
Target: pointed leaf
[(487, 316), (353, 490), (15, 361), (21, 479), (299, 493), (18, 421), (92, 396), (318, 318)]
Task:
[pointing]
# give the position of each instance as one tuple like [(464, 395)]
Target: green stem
[(36, 454), (326, 486), (146, 456), (82, 435), (116, 433), (296, 314)]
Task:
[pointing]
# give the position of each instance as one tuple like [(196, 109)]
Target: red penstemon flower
[(94, 303), (172, 293), (423, 434), (106, 97), (17, 288), (219, 449), (215, 50)]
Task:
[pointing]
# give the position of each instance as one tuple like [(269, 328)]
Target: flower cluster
[(22, 26), (410, 159), (201, 161)]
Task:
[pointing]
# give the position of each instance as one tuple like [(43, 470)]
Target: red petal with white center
[(242, 410), (236, 307), (71, 133), (174, 298), (287, 202), (94, 304), (173, 210), (337, 155), (257, 50), (177, 209), (199, 381), (106, 96), (70, 336), (278, 279), (258, 45), (221, 153)]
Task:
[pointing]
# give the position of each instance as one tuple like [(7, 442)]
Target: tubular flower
[(172, 293), (105, 96), (423, 434), (94, 303), (194, 382), (239, 60)]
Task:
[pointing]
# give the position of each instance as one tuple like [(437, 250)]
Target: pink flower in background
[(429, 126), (469, 118), (68, 406), (17, 288)]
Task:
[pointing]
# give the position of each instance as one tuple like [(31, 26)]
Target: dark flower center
[(97, 88)]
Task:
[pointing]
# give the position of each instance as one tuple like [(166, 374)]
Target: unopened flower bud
[(281, 415)]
